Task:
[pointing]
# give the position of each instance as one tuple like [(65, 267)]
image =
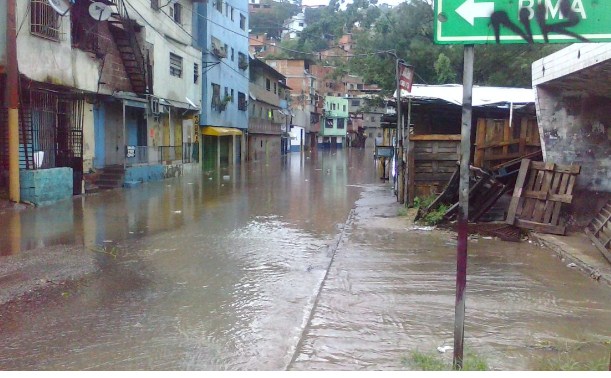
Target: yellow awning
[(220, 131)]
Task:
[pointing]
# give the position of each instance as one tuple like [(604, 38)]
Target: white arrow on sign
[(469, 10)]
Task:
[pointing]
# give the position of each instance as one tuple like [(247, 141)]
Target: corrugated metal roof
[(482, 96)]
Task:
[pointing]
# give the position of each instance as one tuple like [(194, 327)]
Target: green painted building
[(334, 123)]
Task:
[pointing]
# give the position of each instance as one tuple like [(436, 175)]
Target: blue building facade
[(221, 31)]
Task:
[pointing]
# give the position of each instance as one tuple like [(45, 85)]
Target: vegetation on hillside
[(382, 35)]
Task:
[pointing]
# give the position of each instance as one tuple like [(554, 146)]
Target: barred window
[(195, 73), (44, 21), (175, 65)]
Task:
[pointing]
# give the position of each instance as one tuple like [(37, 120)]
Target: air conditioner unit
[(154, 105)]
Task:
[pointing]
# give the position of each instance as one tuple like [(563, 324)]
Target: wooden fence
[(431, 162), (497, 142)]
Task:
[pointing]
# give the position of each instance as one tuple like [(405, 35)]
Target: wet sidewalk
[(390, 292)]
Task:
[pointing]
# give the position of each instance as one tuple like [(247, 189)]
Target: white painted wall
[(53, 62), (568, 60), (168, 37)]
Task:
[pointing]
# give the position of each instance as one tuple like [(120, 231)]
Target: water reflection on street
[(205, 272)]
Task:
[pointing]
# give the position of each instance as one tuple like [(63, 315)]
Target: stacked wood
[(484, 192)]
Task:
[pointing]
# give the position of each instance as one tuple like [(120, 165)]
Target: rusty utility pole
[(12, 85)]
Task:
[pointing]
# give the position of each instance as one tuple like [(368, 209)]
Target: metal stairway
[(123, 30)]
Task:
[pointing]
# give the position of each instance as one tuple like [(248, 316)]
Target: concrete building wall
[(263, 147), (54, 62), (164, 35), (45, 186), (575, 129), (223, 71), (573, 97)]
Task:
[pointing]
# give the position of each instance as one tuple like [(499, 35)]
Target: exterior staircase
[(124, 30), (111, 177)]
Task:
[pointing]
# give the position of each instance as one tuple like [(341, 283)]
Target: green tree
[(444, 70), (272, 22)]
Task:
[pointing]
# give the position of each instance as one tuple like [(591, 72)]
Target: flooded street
[(276, 268)]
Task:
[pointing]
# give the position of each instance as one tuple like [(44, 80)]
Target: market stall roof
[(482, 96)]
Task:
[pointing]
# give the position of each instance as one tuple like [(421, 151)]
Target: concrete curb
[(565, 254)]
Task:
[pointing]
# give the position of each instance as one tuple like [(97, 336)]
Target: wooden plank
[(572, 169), (529, 203), (506, 136), (509, 156), (517, 192), (540, 205), (478, 158), (433, 177), (493, 196), (549, 208), (436, 137), (436, 156), (411, 174), (562, 189), (530, 156), (602, 248), (541, 227), (503, 143)]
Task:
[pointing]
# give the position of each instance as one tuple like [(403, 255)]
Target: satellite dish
[(99, 11), (61, 6)]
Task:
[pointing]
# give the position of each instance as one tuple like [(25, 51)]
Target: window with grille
[(195, 73), (175, 65), (242, 104), (44, 21), (340, 123)]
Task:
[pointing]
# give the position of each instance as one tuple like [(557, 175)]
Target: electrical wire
[(193, 11)]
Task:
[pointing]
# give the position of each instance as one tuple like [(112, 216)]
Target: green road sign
[(522, 21)]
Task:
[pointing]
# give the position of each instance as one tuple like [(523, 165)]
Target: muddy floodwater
[(299, 263)]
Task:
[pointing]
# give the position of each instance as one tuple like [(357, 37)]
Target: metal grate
[(44, 21)]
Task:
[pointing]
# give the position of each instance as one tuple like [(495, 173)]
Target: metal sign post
[(469, 22), (463, 207)]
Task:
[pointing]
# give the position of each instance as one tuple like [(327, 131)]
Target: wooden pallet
[(540, 190), (599, 231)]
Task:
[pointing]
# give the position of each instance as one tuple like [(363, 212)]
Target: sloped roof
[(482, 96)]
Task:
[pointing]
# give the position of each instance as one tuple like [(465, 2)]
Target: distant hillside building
[(294, 26)]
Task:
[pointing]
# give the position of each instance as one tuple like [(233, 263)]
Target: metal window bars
[(45, 22)]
